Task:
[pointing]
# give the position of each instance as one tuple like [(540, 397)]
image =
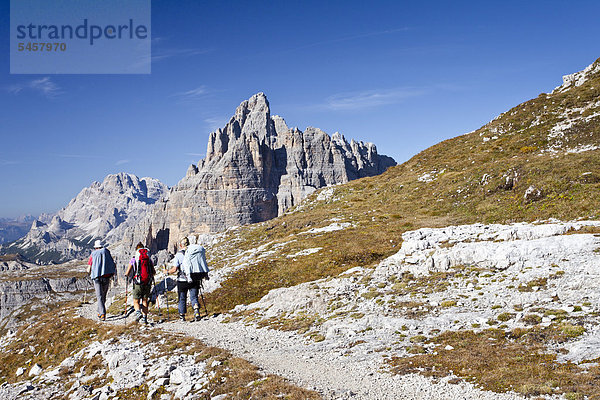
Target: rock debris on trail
[(331, 374), (366, 315), (310, 365)]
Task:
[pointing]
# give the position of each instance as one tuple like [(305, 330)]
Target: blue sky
[(404, 75)]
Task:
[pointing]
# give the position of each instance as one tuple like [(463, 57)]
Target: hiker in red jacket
[(143, 273)]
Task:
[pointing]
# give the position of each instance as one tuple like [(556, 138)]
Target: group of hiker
[(189, 264)]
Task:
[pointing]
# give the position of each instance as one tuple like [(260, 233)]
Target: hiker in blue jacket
[(184, 284), (101, 268)]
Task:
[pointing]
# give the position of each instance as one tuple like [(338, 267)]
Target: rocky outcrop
[(255, 168), (16, 293), (578, 78), (21, 282), (101, 211)]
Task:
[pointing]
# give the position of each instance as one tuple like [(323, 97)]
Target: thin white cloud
[(195, 154), (45, 86), (215, 123), (193, 93), (8, 162), (370, 98), (121, 162), (84, 156), (169, 53), (165, 54)]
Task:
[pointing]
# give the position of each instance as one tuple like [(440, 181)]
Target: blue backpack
[(194, 261)]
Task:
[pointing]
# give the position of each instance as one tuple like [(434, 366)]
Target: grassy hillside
[(536, 161)]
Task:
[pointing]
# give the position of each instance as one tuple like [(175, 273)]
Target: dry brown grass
[(514, 361), (243, 381), (54, 332), (54, 335), (300, 323), (339, 253), (381, 208)]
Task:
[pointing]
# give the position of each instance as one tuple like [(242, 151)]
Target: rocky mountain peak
[(37, 224), (103, 210), (255, 168), (256, 104), (280, 125), (252, 121)]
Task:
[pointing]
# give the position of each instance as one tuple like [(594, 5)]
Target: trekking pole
[(85, 294), (125, 313), (202, 296), (156, 296), (167, 294)]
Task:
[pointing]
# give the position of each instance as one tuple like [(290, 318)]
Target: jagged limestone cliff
[(255, 168)]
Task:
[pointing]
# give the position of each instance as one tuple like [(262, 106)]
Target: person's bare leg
[(144, 304)]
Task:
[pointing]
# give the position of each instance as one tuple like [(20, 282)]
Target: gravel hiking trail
[(331, 373)]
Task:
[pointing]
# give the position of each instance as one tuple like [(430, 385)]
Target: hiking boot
[(197, 315), (146, 319), (182, 317), (102, 317), (138, 315)]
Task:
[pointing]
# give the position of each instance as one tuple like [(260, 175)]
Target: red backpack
[(144, 270)]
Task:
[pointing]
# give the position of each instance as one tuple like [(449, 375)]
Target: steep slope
[(101, 211), (537, 161), (350, 268), (255, 168)]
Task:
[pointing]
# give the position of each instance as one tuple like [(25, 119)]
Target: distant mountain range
[(255, 169), (14, 228), (102, 211)]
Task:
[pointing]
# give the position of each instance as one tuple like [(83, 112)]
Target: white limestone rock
[(578, 78), (35, 370)]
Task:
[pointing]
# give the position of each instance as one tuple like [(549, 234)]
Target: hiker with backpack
[(191, 267), (101, 268), (143, 275)]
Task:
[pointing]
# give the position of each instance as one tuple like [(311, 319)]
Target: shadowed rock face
[(255, 168)]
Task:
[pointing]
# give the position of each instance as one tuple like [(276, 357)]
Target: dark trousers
[(193, 287)]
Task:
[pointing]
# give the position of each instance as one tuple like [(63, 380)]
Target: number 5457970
[(29, 46)]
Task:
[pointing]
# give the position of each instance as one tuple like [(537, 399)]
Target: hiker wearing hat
[(143, 274), (101, 268), (191, 268)]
